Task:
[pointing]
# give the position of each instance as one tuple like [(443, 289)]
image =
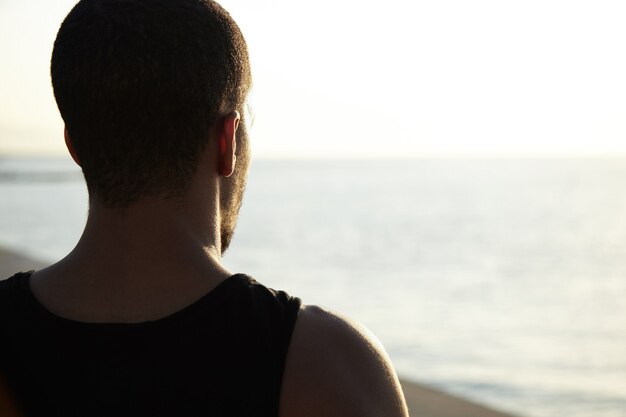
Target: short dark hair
[(140, 85)]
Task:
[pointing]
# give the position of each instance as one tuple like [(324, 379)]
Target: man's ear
[(227, 144), (70, 147)]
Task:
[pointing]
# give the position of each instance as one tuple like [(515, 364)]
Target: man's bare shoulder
[(336, 367)]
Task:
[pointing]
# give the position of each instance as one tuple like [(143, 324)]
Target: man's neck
[(136, 264)]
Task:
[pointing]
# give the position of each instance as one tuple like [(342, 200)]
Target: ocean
[(500, 280)]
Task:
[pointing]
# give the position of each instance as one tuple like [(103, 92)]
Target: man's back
[(229, 353), (222, 355)]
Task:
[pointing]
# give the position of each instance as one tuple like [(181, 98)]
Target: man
[(141, 318)]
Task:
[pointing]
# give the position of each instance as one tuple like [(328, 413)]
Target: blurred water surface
[(500, 280)]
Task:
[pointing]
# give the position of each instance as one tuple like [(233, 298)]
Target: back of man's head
[(140, 84)]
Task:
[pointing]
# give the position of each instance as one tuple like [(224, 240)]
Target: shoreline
[(422, 400)]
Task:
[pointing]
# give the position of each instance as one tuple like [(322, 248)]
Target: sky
[(393, 79)]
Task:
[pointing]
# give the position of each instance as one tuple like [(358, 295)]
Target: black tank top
[(223, 355)]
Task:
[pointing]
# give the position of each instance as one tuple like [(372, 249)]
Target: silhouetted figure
[(141, 318)]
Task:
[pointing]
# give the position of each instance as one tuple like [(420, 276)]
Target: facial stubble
[(233, 188)]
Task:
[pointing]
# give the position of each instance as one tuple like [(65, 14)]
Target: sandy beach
[(422, 400)]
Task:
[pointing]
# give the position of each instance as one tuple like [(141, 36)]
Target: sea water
[(500, 280)]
